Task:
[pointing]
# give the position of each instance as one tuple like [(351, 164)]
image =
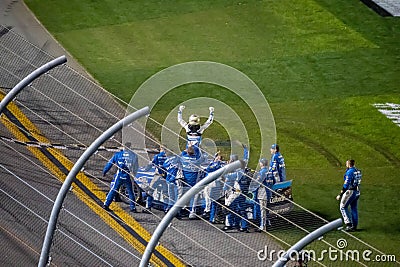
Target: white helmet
[(194, 120)]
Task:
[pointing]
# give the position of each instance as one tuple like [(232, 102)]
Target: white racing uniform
[(194, 132)]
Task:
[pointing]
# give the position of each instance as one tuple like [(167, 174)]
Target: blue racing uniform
[(191, 172), (266, 178), (127, 163), (191, 166), (277, 163), (243, 184), (158, 161), (171, 166), (214, 188), (236, 188), (350, 196), (215, 165)]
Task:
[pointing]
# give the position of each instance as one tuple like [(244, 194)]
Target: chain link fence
[(45, 130)]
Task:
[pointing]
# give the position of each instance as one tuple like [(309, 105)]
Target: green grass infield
[(321, 65)]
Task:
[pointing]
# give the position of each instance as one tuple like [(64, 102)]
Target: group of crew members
[(183, 171), (239, 188)]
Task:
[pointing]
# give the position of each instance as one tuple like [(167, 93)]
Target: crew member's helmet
[(233, 157), (194, 120), (264, 161)]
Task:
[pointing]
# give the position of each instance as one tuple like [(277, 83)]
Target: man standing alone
[(349, 196)]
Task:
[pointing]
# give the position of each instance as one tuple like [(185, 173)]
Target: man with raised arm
[(193, 129)]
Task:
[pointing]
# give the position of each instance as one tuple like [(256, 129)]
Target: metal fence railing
[(46, 129)]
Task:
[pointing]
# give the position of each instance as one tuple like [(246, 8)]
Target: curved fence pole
[(180, 203), (44, 255), (29, 79), (296, 248)]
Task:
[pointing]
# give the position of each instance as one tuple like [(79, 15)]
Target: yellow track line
[(106, 217)]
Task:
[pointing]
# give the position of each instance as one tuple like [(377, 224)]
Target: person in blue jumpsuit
[(190, 161), (266, 177), (194, 130), (242, 204), (171, 166), (277, 167), (127, 164), (157, 162), (349, 196), (236, 189), (277, 162), (213, 191)]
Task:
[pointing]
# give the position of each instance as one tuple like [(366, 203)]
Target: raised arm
[(209, 121), (245, 153), (180, 120)]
